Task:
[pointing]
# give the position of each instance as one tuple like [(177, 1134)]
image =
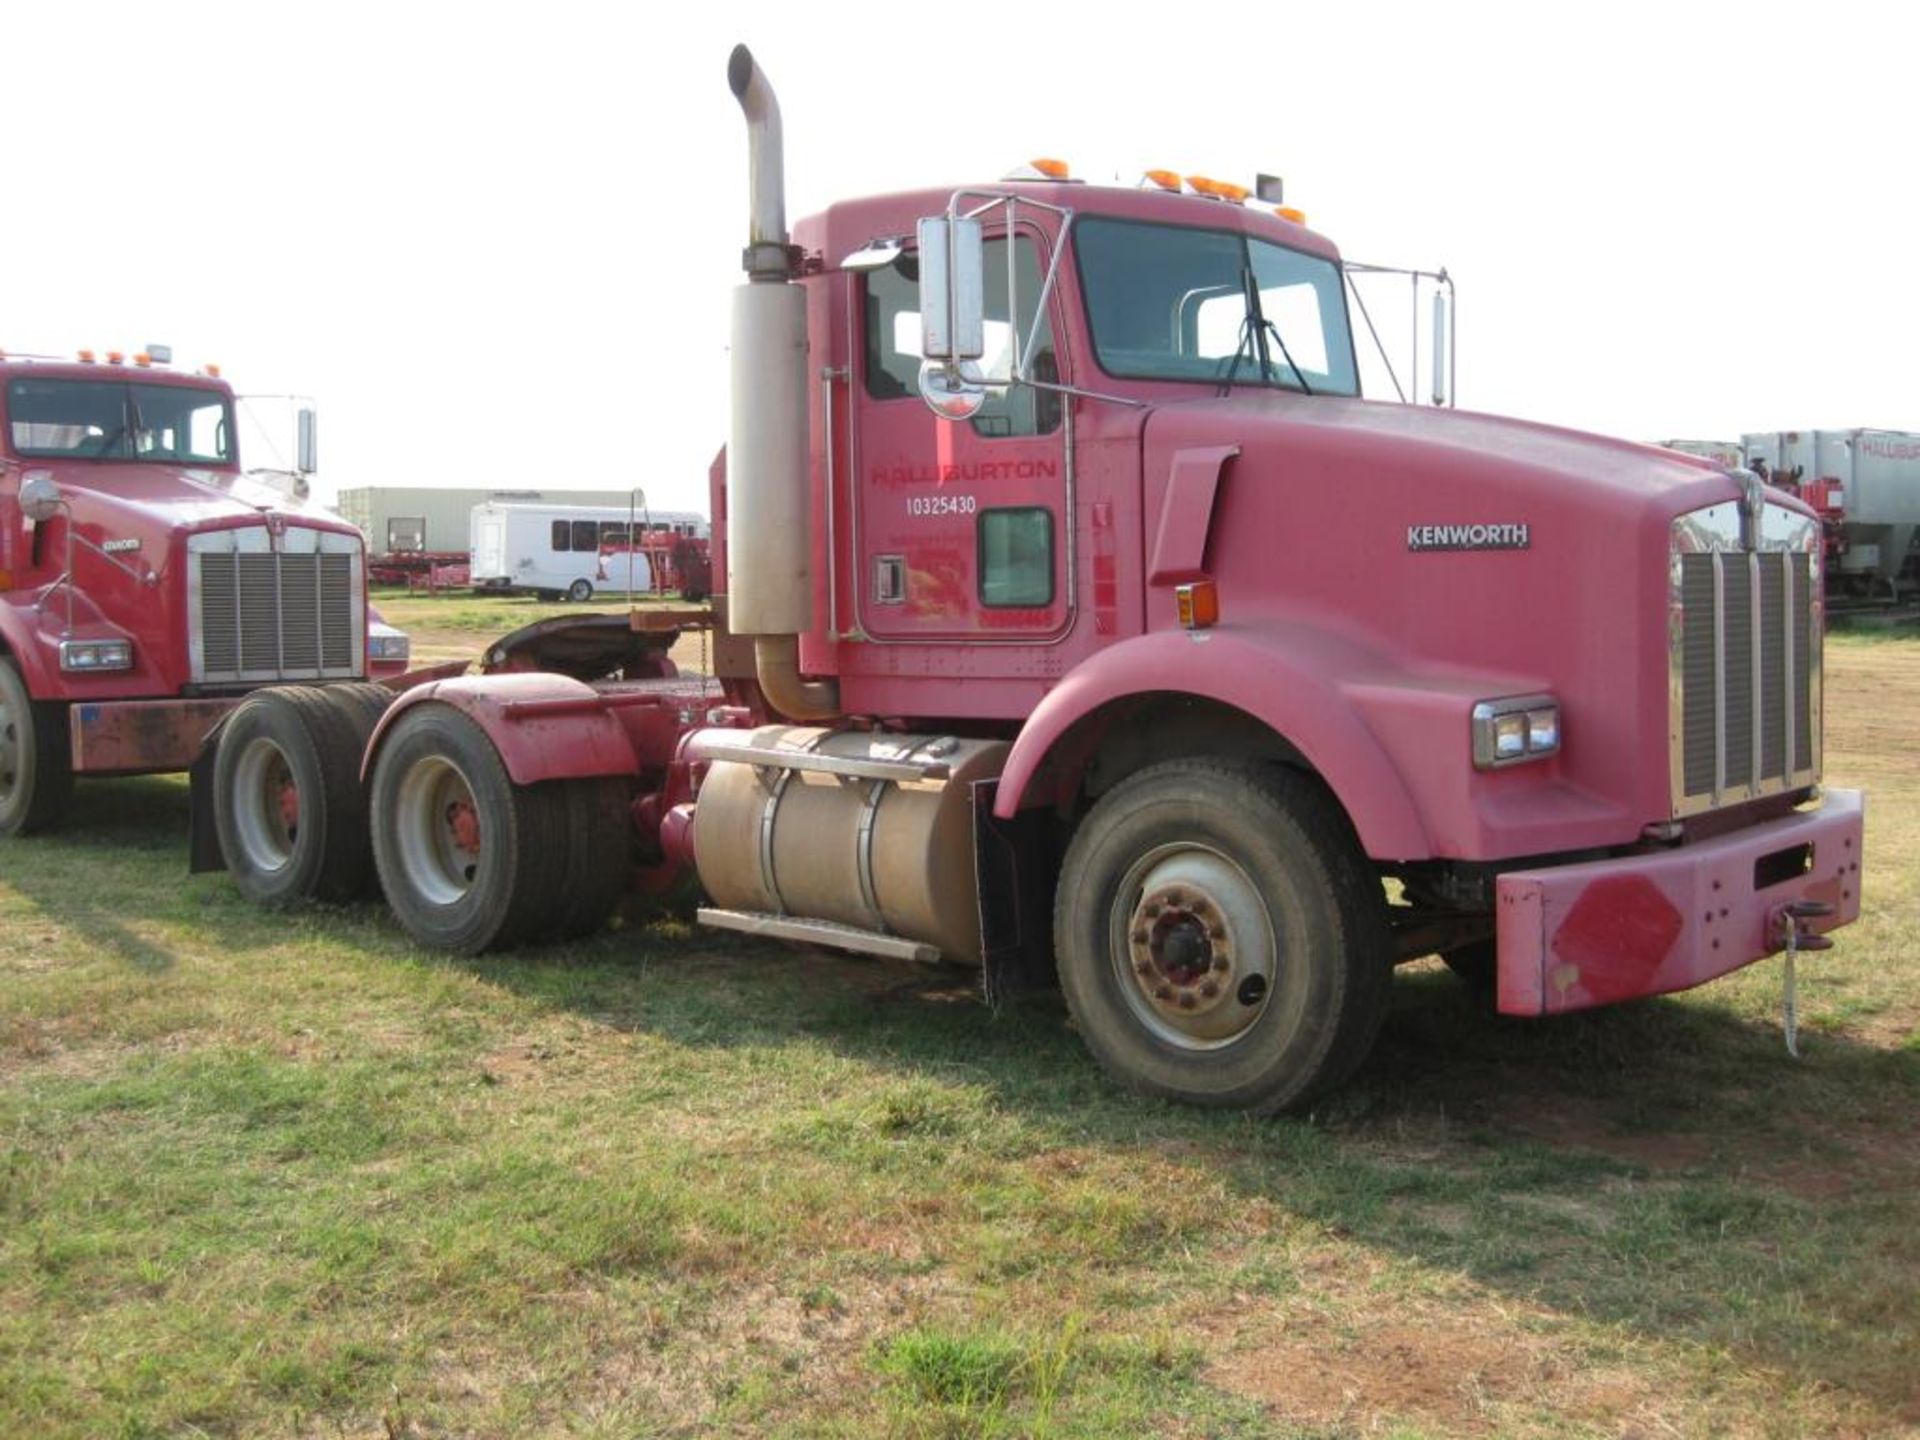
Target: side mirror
[(953, 330), (307, 458), (953, 289), (40, 497)]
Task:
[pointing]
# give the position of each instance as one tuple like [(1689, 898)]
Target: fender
[(1290, 680), (545, 726), (19, 638)]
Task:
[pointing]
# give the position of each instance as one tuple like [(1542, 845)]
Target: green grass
[(288, 1175)]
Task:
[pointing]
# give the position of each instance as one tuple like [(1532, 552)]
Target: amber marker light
[(86, 357), (1198, 603), (142, 359), (1165, 179), (1219, 189), (214, 371), (116, 357), (1052, 169), (1287, 212)]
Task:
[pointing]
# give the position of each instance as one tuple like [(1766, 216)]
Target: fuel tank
[(863, 829)]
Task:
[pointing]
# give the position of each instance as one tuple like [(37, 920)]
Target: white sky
[(496, 243)]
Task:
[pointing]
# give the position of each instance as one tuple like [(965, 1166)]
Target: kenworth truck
[(146, 583), (1082, 619)]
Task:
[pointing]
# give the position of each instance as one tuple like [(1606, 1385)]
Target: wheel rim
[(1192, 947), (10, 751), (266, 806), (580, 591), (438, 829)]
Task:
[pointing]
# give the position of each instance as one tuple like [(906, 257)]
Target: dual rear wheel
[(468, 860)]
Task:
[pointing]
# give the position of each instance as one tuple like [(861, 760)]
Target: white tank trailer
[(1879, 475)]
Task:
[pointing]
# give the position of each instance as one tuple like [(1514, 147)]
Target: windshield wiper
[(1250, 337), (1269, 327)]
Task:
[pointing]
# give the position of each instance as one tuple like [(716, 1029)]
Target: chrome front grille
[(260, 611), (1745, 654)]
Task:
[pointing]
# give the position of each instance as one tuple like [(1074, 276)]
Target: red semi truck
[(146, 583), (1081, 618)]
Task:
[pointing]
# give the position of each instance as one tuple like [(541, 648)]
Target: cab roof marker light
[(1162, 179), (86, 357), (1040, 169), (116, 357), (213, 370), (1219, 189), (142, 359), (1288, 212)]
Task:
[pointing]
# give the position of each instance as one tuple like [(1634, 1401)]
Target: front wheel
[(580, 591), (36, 766), (1221, 938)]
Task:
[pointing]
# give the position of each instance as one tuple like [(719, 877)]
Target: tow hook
[(1791, 938)]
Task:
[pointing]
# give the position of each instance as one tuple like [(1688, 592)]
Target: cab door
[(961, 526)]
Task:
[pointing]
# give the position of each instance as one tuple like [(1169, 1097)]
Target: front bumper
[(1576, 936)]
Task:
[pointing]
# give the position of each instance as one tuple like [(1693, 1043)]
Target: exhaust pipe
[(769, 542)]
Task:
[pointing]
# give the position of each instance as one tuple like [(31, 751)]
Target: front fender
[(1291, 680), (546, 727), (18, 639)]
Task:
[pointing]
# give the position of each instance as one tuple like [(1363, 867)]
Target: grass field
[(290, 1176)]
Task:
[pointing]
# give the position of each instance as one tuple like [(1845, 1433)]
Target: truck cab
[(146, 582)]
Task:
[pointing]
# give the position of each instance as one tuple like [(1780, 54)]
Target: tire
[(1221, 938), (599, 863), (36, 757), (580, 591), (468, 860), (288, 802)]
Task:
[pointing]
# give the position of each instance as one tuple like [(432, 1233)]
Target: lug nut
[(1163, 992), (1141, 936), (1208, 990), (1186, 1000), (1220, 963), (1143, 967)]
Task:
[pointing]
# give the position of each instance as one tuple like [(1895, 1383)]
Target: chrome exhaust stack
[(769, 540)]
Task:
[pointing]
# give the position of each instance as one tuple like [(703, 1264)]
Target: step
[(819, 932)]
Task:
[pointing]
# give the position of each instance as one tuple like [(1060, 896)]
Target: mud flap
[(203, 833), (1016, 865)]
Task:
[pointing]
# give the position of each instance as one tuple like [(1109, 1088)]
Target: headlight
[(1506, 732), (386, 643), (87, 655)]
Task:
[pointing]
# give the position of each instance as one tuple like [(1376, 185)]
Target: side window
[(562, 535), (1016, 557), (586, 535), (893, 339), (612, 533)]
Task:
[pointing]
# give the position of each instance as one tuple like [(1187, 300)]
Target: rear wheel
[(36, 763), (1221, 939), (599, 864), (468, 860), (288, 802)]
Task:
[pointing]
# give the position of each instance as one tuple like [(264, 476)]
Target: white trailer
[(1879, 475), (556, 550), (430, 519)]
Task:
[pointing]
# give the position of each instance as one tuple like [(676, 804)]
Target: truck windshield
[(1169, 302), (120, 420)]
